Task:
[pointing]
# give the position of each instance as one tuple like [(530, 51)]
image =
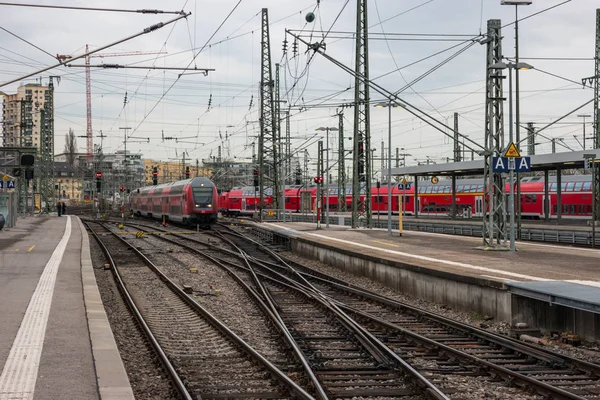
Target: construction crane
[(88, 87)]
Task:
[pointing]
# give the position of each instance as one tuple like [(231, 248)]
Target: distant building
[(22, 117), (171, 171), (67, 182)]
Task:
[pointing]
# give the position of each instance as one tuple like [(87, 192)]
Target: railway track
[(204, 358), (455, 347), (451, 348), (341, 361)]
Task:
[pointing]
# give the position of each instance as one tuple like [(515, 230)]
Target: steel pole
[(511, 174), (389, 207), (327, 178)]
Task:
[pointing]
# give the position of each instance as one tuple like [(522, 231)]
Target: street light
[(584, 116), (389, 104), (511, 173), (327, 129)]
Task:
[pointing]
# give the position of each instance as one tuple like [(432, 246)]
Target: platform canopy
[(542, 162)]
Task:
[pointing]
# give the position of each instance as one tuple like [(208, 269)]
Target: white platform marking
[(19, 375)]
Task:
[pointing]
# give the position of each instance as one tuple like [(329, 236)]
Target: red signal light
[(98, 175)]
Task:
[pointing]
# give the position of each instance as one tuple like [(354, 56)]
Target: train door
[(243, 207), (306, 200), (478, 206)]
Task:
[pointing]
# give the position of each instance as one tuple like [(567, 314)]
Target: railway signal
[(154, 175), (187, 172), (318, 179), (255, 174), (98, 181)]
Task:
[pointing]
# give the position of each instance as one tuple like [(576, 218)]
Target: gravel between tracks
[(146, 375), (216, 290)]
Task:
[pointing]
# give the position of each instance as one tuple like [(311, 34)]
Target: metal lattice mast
[(341, 166), (456, 141), (361, 174), (596, 217), (530, 139), (277, 134), (267, 148), (288, 145), (46, 154), (494, 221), (88, 106)]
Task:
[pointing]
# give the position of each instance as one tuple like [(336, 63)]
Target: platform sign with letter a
[(404, 185), (517, 164)]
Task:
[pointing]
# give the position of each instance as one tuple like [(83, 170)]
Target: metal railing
[(579, 237)]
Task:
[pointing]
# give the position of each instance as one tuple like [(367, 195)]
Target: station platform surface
[(567, 275), (55, 339)]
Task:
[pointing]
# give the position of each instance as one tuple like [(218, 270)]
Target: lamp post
[(389, 104), (584, 116), (511, 172), (327, 129)]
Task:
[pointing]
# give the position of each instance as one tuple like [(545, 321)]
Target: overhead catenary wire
[(139, 11), (151, 28)]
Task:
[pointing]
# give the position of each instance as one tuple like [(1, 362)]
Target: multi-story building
[(22, 115), (67, 182), (171, 171)]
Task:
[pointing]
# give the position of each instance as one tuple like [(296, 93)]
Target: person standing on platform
[(64, 208), (58, 208)]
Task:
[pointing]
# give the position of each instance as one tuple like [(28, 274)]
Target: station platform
[(55, 339), (454, 270)]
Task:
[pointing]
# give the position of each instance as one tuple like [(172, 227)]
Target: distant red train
[(191, 201), (432, 199)]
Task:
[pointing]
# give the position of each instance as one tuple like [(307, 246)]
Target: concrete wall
[(554, 318), (457, 293)]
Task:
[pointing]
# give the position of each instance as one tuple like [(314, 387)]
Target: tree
[(70, 147)]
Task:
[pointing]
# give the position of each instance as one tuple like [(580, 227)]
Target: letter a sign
[(499, 164)]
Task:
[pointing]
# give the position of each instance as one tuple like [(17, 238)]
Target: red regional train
[(191, 201), (433, 199)]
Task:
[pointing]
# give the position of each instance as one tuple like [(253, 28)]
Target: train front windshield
[(203, 196)]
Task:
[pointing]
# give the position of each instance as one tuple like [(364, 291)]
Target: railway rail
[(452, 347), (194, 346), (341, 359), (464, 348)]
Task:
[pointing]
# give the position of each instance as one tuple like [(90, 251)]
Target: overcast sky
[(159, 103)]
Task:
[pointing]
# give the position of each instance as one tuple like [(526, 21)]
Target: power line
[(29, 43), (143, 11)]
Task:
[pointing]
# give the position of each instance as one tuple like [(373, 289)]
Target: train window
[(422, 189), (578, 186), (570, 186), (533, 198), (587, 186), (447, 189), (459, 188), (581, 209), (563, 186), (555, 209), (553, 187), (480, 188), (428, 189)]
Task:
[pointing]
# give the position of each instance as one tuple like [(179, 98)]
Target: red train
[(432, 199), (191, 201)]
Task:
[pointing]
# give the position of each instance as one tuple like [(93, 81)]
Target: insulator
[(285, 42)]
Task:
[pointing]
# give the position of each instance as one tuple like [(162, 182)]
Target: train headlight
[(210, 206), (197, 205)]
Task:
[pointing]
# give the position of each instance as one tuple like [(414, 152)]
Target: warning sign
[(512, 151), (404, 181)]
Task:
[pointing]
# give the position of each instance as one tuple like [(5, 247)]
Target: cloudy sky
[(197, 114)]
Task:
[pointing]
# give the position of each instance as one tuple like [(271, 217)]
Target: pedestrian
[(58, 208), (64, 208)]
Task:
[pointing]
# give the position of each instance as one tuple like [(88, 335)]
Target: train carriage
[(191, 201)]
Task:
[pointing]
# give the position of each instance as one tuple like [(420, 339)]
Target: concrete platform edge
[(113, 383)]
